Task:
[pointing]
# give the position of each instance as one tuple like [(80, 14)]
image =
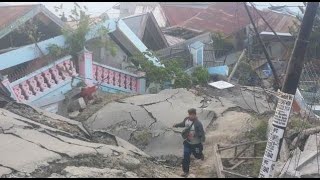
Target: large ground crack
[(12, 169), (133, 118), (50, 134), (37, 144), (149, 104), (150, 115)]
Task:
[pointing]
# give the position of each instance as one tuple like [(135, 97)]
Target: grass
[(298, 124), (259, 132)]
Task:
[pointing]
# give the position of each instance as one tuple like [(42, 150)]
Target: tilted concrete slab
[(151, 98), (52, 143), (22, 155), (155, 114), (4, 171)]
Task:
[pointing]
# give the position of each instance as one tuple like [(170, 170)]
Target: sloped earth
[(146, 121), (32, 148)]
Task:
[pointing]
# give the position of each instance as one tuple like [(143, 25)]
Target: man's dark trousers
[(188, 149)]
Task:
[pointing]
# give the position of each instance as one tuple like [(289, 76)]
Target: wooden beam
[(236, 165), (218, 164), (241, 152)]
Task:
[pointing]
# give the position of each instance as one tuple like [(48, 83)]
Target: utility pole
[(276, 85), (287, 93)]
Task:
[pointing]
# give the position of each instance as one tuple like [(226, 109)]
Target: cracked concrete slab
[(130, 147), (29, 148), (152, 98), (169, 143), (8, 122), (143, 120), (79, 142), (6, 113), (22, 155), (61, 118), (52, 143), (4, 171)]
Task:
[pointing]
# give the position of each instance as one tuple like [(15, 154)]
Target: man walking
[(193, 143)]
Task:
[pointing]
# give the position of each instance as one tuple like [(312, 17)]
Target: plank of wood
[(236, 165), (218, 164), (241, 152)]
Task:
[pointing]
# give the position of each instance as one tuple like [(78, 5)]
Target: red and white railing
[(115, 77), (44, 80)]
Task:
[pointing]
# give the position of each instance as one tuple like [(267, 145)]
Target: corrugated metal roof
[(230, 17), (10, 14), (202, 5), (278, 21), (176, 14), (173, 40), (225, 17)]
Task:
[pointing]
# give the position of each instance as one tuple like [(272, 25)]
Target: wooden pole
[(237, 64)]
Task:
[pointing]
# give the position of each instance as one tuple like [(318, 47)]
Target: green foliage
[(200, 76), (172, 70), (260, 131), (75, 38), (56, 51), (297, 124), (220, 42)]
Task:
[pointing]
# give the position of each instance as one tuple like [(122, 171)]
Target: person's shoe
[(185, 174)]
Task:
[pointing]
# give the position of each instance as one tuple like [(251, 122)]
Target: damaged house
[(231, 19), (147, 29), (32, 75)]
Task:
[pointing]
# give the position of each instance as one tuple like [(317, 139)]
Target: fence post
[(6, 86), (141, 83), (85, 66)]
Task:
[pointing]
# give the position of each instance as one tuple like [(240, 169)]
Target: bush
[(200, 76), (259, 132)]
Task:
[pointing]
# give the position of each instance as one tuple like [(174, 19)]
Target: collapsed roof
[(147, 29), (13, 17)]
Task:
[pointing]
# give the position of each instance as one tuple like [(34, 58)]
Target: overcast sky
[(97, 8)]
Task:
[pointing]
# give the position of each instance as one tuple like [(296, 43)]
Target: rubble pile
[(146, 120), (32, 145)]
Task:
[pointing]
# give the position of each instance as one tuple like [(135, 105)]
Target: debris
[(221, 85), (129, 162), (74, 114)]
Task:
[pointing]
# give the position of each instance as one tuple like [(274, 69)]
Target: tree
[(75, 36)]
